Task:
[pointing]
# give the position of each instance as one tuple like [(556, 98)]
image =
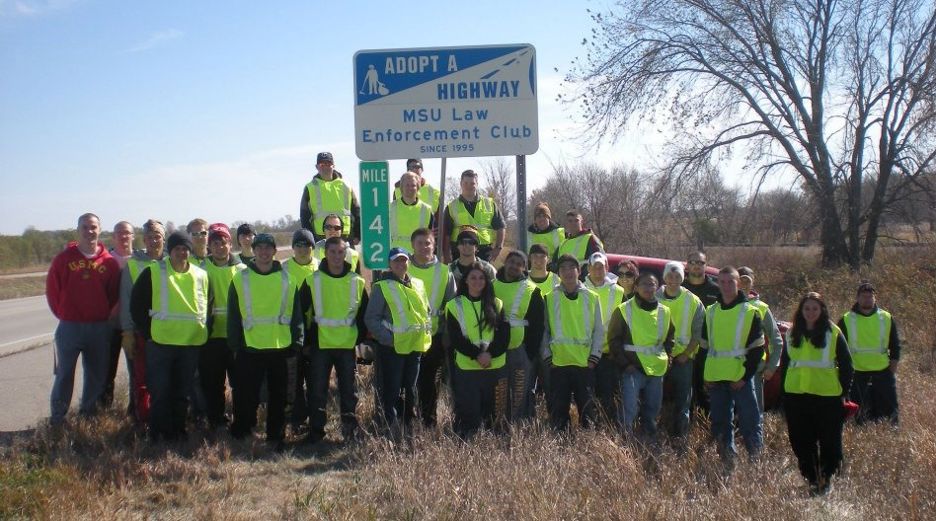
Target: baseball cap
[(303, 237), (598, 257), (324, 156), (218, 230), (263, 238), (398, 252)]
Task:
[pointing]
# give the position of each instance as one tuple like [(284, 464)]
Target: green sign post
[(375, 214)]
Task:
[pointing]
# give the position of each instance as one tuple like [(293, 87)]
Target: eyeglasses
[(696, 262), (203, 233), (333, 227)]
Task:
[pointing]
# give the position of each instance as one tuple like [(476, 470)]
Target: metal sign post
[(521, 205), (375, 214)]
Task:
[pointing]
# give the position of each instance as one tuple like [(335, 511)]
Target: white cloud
[(156, 39)]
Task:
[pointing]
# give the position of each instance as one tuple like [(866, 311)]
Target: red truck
[(655, 265)]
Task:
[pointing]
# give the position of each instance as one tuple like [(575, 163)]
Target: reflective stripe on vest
[(571, 324), (853, 336), (519, 294), (184, 322), (811, 370), (651, 350), (577, 246), (551, 239), (354, 302), (825, 362), (250, 320), (738, 349), (400, 237), (478, 338), (432, 276), (342, 207), (483, 215), (867, 346), (407, 326), (559, 337)]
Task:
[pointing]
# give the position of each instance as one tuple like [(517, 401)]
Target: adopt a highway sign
[(375, 214), (445, 102)]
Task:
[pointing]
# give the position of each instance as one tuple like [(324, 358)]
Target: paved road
[(25, 384), (24, 275), (25, 323)]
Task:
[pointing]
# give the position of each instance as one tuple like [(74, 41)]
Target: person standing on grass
[(641, 337), (607, 372), (121, 250), (216, 361), (875, 349), (82, 288), (398, 317), (688, 319), (171, 306), (265, 328), (427, 193), (627, 271), (197, 229), (408, 212), (733, 343), (544, 230), (133, 343), (336, 304), (479, 212), (245, 237), (440, 288), (771, 359), (467, 244), (327, 193), (332, 227), (479, 334), (816, 379), (300, 266), (580, 242), (524, 311), (572, 343), (540, 275)]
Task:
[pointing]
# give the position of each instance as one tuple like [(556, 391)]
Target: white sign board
[(445, 102)]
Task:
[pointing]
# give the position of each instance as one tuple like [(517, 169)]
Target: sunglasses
[(628, 274), (333, 227), (696, 262), (200, 234)]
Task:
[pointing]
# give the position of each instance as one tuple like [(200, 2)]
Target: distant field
[(20, 287)]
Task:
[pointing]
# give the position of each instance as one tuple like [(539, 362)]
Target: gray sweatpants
[(92, 341)]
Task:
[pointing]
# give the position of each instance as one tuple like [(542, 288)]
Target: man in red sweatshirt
[(82, 289)]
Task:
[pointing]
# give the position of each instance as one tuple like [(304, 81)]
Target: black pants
[(565, 383), (608, 392), (317, 382), (814, 424), (215, 363), (250, 369), (480, 396), (170, 374), (107, 396), (430, 378), (876, 393)]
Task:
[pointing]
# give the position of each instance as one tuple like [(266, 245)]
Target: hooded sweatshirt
[(82, 288)]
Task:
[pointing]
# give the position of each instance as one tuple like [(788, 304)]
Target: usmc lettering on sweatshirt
[(87, 265)]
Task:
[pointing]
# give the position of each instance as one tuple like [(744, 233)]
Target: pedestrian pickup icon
[(372, 83)]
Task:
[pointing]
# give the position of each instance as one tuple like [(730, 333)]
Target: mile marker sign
[(375, 214), (445, 102)]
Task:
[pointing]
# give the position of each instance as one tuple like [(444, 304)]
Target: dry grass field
[(102, 469), (20, 287)]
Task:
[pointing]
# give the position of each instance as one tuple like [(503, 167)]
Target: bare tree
[(835, 91), (497, 177)]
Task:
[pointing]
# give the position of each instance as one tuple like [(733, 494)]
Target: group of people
[(190, 316)]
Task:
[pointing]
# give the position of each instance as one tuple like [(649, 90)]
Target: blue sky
[(178, 109)]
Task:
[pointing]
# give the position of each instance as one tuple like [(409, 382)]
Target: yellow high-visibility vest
[(409, 311), (219, 278), (336, 314), (434, 278), (571, 324), (266, 305), (471, 330), (179, 308), (682, 310), (483, 215), (812, 370), (517, 295), (648, 332), (405, 219), (329, 197), (551, 240), (611, 296), (728, 331)]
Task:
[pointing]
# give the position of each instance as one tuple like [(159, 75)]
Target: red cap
[(219, 229)]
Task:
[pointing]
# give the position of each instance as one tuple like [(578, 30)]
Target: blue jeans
[(91, 340), (632, 383), (679, 378), (397, 373), (723, 402)]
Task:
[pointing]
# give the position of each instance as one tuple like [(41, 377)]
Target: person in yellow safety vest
[(336, 300), (302, 264), (133, 343), (332, 227), (523, 307), (607, 372), (408, 212), (427, 193), (327, 193), (771, 359), (398, 318), (245, 237), (816, 379), (540, 275), (627, 271), (265, 328), (216, 360), (580, 242), (688, 319), (875, 348), (440, 288), (171, 305), (197, 229), (478, 333), (640, 336), (732, 343), (544, 230), (572, 343), (473, 209)]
